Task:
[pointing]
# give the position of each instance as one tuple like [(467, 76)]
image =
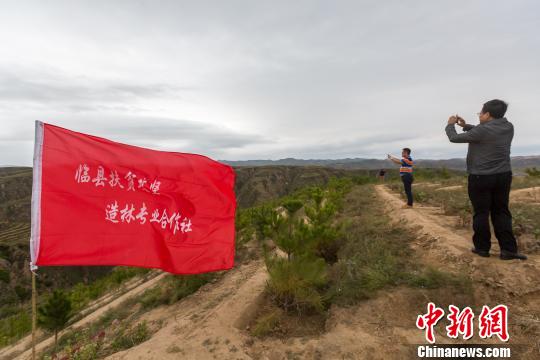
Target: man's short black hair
[(496, 108), (407, 150)]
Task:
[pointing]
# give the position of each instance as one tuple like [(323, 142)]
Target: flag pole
[(34, 295), (35, 223)]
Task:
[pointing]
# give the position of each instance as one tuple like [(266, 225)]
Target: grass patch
[(377, 255), (118, 321), (431, 278), (371, 253), (273, 321), (298, 284), (267, 323), (15, 327), (126, 338), (114, 331), (526, 224), (89, 344), (81, 295), (15, 322), (526, 216), (173, 288)]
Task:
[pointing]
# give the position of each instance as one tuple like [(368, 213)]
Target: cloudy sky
[(240, 80)]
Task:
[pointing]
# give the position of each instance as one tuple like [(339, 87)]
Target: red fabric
[(77, 225)]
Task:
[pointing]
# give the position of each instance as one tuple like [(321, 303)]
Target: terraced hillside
[(15, 196), (253, 185), (373, 267), (15, 234)]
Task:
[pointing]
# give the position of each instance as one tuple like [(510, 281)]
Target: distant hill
[(258, 184), (253, 185), (518, 163)]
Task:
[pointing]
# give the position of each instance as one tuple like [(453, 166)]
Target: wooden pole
[(34, 315)]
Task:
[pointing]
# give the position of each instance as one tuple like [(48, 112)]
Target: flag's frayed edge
[(36, 197)]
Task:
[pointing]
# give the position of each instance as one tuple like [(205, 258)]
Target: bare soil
[(22, 349), (212, 323), (527, 195)]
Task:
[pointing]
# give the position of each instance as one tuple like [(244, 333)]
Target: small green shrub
[(432, 278), (173, 288), (55, 312), (23, 293), (420, 196), (298, 284), (152, 298), (88, 351), (126, 338), (15, 327), (82, 294), (266, 324), (532, 172)]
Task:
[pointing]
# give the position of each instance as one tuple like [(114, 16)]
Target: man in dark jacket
[(490, 176)]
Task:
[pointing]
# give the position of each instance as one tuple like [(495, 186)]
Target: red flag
[(99, 202)]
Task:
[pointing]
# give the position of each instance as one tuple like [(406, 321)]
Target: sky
[(238, 80)]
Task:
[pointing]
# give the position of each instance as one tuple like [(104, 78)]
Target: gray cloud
[(244, 80), (166, 132), (162, 133), (50, 90)]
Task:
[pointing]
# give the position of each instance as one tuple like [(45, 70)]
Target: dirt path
[(453, 246), (22, 350), (211, 323), (515, 283), (449, 188), (527, 195)]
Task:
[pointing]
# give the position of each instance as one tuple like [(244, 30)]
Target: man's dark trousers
[(490, 194), (407, 179)]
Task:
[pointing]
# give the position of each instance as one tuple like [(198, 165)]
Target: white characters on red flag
[(154, 187), (100, 202), (142, 214), (126, 214), (100, 178), (111, 212), (115, 179), (81, 175), (131, 181), (142, 182)]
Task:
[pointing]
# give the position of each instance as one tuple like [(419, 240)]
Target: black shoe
[(482, 253), (507, 255)]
